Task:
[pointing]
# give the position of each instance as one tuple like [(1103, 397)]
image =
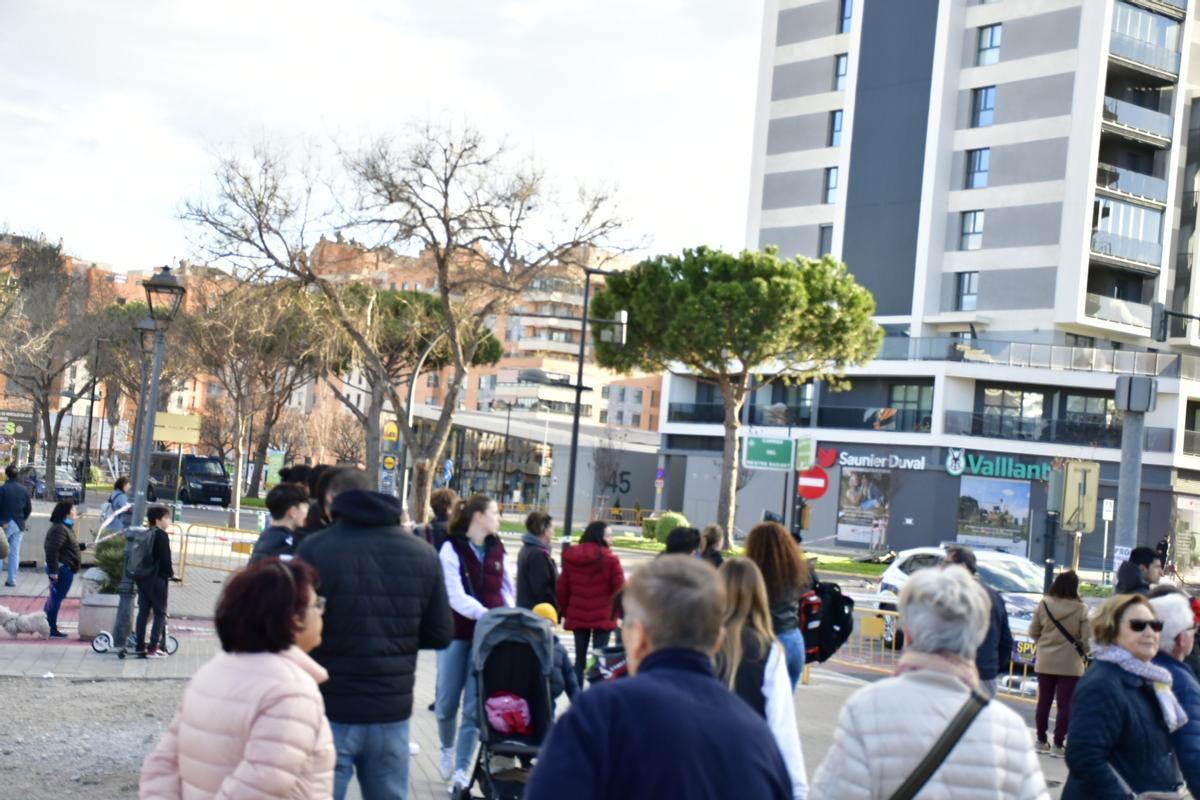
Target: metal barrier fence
[(215, 547), (874, 646)]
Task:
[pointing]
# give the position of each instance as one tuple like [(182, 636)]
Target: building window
[(1090, 409), (603, 416), (404, 286), (972, 230), (831, 184), (846, 15), (417, 286), (989, 45), (983, 105), (637, 396), (825, 240), (487, 381), (636, 420), (620, 394), (620, 417), (835, 128), (978, 162), (913, 404), (1012, 413), (967, 291), (1075, 340), (841, 63), (604, 393), (432, 380), (653, 398)]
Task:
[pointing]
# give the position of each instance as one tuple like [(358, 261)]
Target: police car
[(1017, 579)]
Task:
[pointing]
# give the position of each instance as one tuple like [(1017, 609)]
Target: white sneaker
[(414, 749), (461, 781), (446, 765)]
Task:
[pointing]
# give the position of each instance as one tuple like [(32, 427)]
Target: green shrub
[(93, 474), (110, 557), (648, 527), (668, 522)]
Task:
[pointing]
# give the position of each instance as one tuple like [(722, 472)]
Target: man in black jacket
[(152, 588), (1141, 572), (537, 576), (385, 599), (15, 508), (994, 655)]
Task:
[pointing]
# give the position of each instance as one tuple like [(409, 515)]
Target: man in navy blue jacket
[(673, 729), (15, 508), (993, 657)]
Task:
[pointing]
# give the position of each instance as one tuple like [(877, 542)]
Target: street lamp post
[(145, 329), (164, 296)]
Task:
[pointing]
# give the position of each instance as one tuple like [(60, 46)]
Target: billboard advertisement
[(863, 500), (994, 513)]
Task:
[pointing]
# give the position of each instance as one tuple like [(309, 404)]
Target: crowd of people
[(320, 635)]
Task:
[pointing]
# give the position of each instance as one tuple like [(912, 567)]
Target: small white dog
[(15, 623)]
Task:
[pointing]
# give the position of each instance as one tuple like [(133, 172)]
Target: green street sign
[(768, 453), (806, 453)]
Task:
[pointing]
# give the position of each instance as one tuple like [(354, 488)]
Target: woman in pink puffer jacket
[(252, 720)]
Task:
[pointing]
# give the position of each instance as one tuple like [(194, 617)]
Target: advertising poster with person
[(994, 513), (863, 500)]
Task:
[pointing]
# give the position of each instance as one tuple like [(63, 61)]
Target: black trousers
[(152, 595), (599, 640)]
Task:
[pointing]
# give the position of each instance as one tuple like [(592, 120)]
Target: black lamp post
[(164, 296), (87, 451)]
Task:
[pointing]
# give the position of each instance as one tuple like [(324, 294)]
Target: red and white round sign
[(812, 483)]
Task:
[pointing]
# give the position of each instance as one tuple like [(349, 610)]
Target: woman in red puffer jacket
[(591, 575)]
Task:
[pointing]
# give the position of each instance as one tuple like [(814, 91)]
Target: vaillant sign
[(963, 462)]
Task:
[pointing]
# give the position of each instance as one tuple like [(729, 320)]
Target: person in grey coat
[(15, 509)]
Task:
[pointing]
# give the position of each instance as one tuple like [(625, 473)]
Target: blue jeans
[(379, 753), (58, 593), (793, 649), (15, 534), (455, 680)]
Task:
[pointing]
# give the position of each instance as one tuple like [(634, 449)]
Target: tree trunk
[(373, 434), (727, 500), (422, 487), (51, 452), (260, 461), (235, 495)]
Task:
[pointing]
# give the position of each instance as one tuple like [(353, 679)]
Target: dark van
[(202, 479)]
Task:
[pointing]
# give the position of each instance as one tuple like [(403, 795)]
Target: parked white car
[(1017, 579)]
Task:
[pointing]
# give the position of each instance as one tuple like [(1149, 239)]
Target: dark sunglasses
[(1139, 625)]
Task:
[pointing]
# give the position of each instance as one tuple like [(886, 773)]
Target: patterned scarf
[(945, 663), (1159, 678)]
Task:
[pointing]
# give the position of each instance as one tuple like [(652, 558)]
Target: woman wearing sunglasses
[(1119, 740)]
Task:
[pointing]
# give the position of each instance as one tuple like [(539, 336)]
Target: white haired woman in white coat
[(885, 729)]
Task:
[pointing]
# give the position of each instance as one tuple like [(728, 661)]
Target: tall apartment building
[(1014, 180)]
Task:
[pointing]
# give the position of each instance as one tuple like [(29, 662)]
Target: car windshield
[(206, 469), (1011, 576)]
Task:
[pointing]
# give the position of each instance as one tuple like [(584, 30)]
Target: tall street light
[(164, 296), (87, 452)]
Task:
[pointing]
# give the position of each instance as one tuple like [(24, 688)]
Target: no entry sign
[(812, 483)]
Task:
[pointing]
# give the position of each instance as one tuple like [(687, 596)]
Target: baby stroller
[(513, 652)]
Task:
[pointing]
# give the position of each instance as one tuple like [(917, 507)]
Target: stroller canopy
[(513, 625)]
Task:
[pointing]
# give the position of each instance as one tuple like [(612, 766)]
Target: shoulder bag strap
[(1074, 642), (942, 747)]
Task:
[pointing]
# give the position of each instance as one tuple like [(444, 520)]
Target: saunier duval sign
[(960, 461), (891, 461)]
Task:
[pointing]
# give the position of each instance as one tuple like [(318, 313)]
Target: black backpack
[(826, 620), (139, 553)]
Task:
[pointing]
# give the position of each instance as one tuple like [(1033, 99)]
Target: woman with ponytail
[(476, 581)]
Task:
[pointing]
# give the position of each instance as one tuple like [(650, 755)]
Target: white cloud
[(110, 113)]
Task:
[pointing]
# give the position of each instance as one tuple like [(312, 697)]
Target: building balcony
[(781, 416), (538, 344), (877, 419), (1081, 432), (1122, 247), (1142, 52), (1133, 184), (1037, 356), (1191, 443), (711, 413), (1138, 119), (1110, 309)]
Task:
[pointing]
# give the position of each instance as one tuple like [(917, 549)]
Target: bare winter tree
[(46, 335), (490, 225), (216, 429), (290, 434)]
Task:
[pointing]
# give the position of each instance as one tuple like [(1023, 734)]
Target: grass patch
[(1092, 590), (511, 527), (254, 502), (638, 543), (848, 566)]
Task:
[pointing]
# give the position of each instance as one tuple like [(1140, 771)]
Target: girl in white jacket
[(752, 663)]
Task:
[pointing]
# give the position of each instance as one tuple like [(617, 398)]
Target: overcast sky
[(111, 112)]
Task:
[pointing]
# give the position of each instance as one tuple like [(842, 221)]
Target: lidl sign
[(960, 462)]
